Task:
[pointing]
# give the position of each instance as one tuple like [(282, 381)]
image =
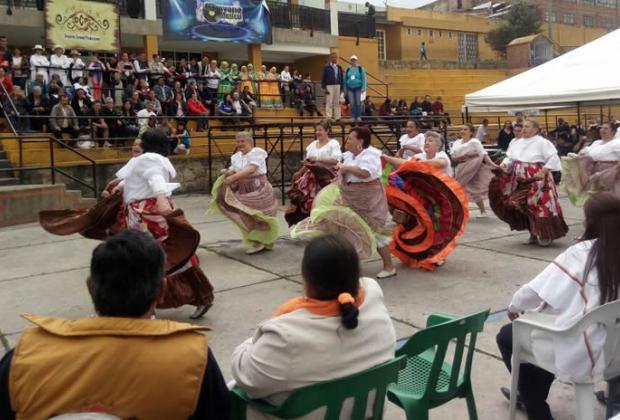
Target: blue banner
[(246, 21)]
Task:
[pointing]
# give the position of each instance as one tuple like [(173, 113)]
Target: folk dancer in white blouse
[(412, 142), (578, 281), (244, 195), (355, 207), (524, 194), (318, 170), (473, 167), (39, 64), (59, 64), (432, 154), (596, 168)]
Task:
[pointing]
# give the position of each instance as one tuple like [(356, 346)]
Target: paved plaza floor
[(46, 274)]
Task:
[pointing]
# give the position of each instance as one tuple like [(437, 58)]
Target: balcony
[(292, 16), (356, 25)]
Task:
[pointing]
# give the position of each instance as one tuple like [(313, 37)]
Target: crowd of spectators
[(392, 108)]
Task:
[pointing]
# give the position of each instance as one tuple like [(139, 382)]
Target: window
[(612, 4), (606, 22), (430, 33), (419, 32), (588, 1), (552, 17), (409, 31), (569, 18), (449, 35), (380, 35), (440, 34), (588, 21)]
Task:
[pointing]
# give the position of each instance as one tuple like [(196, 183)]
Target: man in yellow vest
[(122, 362)]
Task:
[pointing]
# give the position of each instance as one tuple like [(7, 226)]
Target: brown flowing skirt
[(368, 200), (186, 284), (475, 177)]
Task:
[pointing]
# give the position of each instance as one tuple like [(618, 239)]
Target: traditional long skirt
[(251, 205), (584, 177), (527, 203), (431, 211), (186, 283), (307, 182), (355, 211), (474, 175)]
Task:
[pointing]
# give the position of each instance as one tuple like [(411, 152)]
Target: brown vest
[(128, 367)]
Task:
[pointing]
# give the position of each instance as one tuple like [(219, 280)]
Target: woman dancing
[(318, 170), (523, 193), (430, 206), (355, 206), (141, 199), (473, 169), (596, 168), (244, 195)]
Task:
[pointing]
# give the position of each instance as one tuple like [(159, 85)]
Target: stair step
[(9, 181)]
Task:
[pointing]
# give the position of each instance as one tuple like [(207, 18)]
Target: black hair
[(154, 141), (330, 266), (126, 273), (363, 134), (602, 213)]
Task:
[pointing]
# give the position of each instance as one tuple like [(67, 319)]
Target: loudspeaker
[(134, 7)]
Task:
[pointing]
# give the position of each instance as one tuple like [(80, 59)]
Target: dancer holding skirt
[(244, 195)]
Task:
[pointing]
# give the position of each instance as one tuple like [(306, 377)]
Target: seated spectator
[(99, 128), (75, 359), (240, 108), (369, 108), (340, 327), (38, 106), (192, 87), (401, 108), (145, 114), (63, 120), (151, 124), (178, 108), (207, 98), (426, 105), (415, 108), (196, 108), (82, 105), (6, 80), (143, 89), (39, 80), (156, 104), (21, 105), (438, 110), (129, 89), (55, 78), (54, 91), (113, 120), (249, 99), (385, 110), (308, 102), (164, 126), (157, 70), (82, 83), (129, 122), (182, 142), (226, 109), (164, 95)]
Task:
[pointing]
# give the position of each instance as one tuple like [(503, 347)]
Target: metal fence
[(293, 16)]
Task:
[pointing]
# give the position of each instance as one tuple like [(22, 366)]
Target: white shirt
[(61, 63), (417, 140), (300, 348), (237, 107), (600, 150), (471, 147), (368, 159), (37, 61), (561, 285), (256, 156), (439, 155), (481, 133), (77, 64), (213, 80), (144, 115), (329, 150), (285, 77), (536, 149), (146, 176)]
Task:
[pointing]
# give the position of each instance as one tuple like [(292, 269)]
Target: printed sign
[(83, 25), (246, 21)]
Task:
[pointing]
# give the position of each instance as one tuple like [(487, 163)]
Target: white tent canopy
[(586, 75)]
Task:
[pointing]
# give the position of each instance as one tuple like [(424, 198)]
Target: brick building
[(588, 13)]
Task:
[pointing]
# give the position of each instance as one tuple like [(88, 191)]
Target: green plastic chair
[(330, 394), (428, 381)]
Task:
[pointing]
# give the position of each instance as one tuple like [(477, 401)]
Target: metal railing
[(356, 25), (293, 16)]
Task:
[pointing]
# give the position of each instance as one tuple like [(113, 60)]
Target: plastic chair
[(522, 328), (429, 381), (331, 395)]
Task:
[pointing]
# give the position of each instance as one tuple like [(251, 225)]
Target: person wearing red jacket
[(197, 109)]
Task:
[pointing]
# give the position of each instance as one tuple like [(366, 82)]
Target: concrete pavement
[(45, 274)]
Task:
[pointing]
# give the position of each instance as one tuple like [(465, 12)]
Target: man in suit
[(331, 81)]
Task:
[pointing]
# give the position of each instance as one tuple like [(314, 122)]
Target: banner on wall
[(83, 25), (245, 21)]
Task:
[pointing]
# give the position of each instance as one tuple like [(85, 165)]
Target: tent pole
[(547, 120), (601, 111), (578, 115), (467, 114)]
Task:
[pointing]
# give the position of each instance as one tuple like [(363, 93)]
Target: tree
[(522, 20)]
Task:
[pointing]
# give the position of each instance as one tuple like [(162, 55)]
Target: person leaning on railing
[(63, 120), (38, 105)]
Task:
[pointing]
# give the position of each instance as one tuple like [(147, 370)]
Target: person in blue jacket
[(354, 86)]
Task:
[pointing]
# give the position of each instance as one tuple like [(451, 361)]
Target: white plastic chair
[(522, 328)]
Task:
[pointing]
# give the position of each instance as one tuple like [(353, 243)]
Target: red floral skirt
[(307, 182)]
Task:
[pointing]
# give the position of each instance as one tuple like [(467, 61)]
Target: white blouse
[(536, 149), (601, 151), (61, 65), (368, 159), (36, 64), (439, 155), (405, 140), (569, 296), (146, 176), (256, 156), (471, 147), (329, 150)]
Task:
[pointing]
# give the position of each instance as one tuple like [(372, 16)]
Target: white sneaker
[(482, 216), (255, 250), (383, 274)]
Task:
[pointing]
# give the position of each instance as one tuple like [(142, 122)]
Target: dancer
[(523, 193), (355, 206), (412, 142), (244, 195), (141, 200), (473, 169), (318, 170), (596, 168), (429, 206)]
